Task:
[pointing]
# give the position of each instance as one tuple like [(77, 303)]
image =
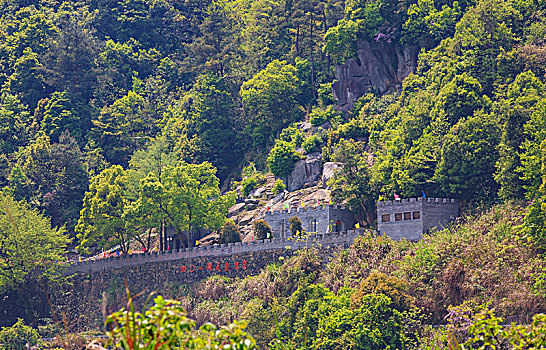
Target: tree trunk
[(311, 53)]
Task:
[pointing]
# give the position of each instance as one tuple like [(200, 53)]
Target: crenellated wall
[(417, 215), (321, 219), (98, 288), (223, 250)]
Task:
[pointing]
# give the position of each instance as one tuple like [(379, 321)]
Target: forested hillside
[(141, 84), (119, 116)]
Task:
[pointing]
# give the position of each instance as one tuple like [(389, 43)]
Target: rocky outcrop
[(305, 171), (328, 171), (382, 67)]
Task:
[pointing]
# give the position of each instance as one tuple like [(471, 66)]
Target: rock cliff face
[(305, 172), (382, 67)]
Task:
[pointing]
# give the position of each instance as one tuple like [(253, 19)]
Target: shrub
[(262, 230), (230, 232), (282, 157), (18, 336), (296, 226), (165, 326), (312, 143), (278, 187), (390, 286), (291, 134), (249, 184), (251, 179)]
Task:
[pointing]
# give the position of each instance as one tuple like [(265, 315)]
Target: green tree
[(18, 337), (157, 155), (60, 113), (467, 160), (29, 247), (230, 232), (206, 118), (515, 110), (70, 63), (262, 230), (296, 226), (52, 178), (26, 81), (269, 101), (14, 123), (103, 218), (352, 182), (186, 197), (123, 126), (282, 157)]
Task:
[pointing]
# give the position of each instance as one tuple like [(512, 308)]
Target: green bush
[(18, 336), (312, 143), (278, 187), (319, 116), (296, 226), (165, 326), (282, 157), (248, 183), (292, 134), (230, 232), (251, 179), (262, 230)]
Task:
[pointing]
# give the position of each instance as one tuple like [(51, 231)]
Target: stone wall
[(215, 251), (439, 212), (97, 289), (320, 219), (415, 216)]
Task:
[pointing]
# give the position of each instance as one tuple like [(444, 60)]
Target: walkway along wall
[(97, 288)]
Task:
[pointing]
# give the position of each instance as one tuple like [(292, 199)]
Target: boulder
[(382, 67), (259, 192), (305, 171), (246, 219), (328, 170), (236, 209)]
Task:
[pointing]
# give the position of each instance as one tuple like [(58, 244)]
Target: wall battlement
[(218, 250), (410, 218), (297, 210), (418, 199)]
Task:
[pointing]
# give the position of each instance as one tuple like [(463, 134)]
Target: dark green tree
[(296, 226), (230, 233), (467, 160), (262, 230)]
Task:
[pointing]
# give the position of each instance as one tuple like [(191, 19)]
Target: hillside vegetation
[(120, 116)]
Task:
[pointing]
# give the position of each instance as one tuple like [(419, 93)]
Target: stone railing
[(217, 250)]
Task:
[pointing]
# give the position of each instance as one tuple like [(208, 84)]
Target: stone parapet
[(224, 250)]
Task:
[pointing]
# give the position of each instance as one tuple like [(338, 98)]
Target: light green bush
[(18, 336)]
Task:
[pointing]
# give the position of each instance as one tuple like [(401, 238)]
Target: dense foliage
[(117, 117), (29, 247)]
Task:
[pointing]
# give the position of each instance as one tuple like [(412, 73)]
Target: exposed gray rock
[(236, 209), (246, 219), (382, 67), (328, 170), (259, 192), (305, 171), (277, 199)]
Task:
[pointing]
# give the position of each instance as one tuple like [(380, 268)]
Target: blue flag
[(424, 195)]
